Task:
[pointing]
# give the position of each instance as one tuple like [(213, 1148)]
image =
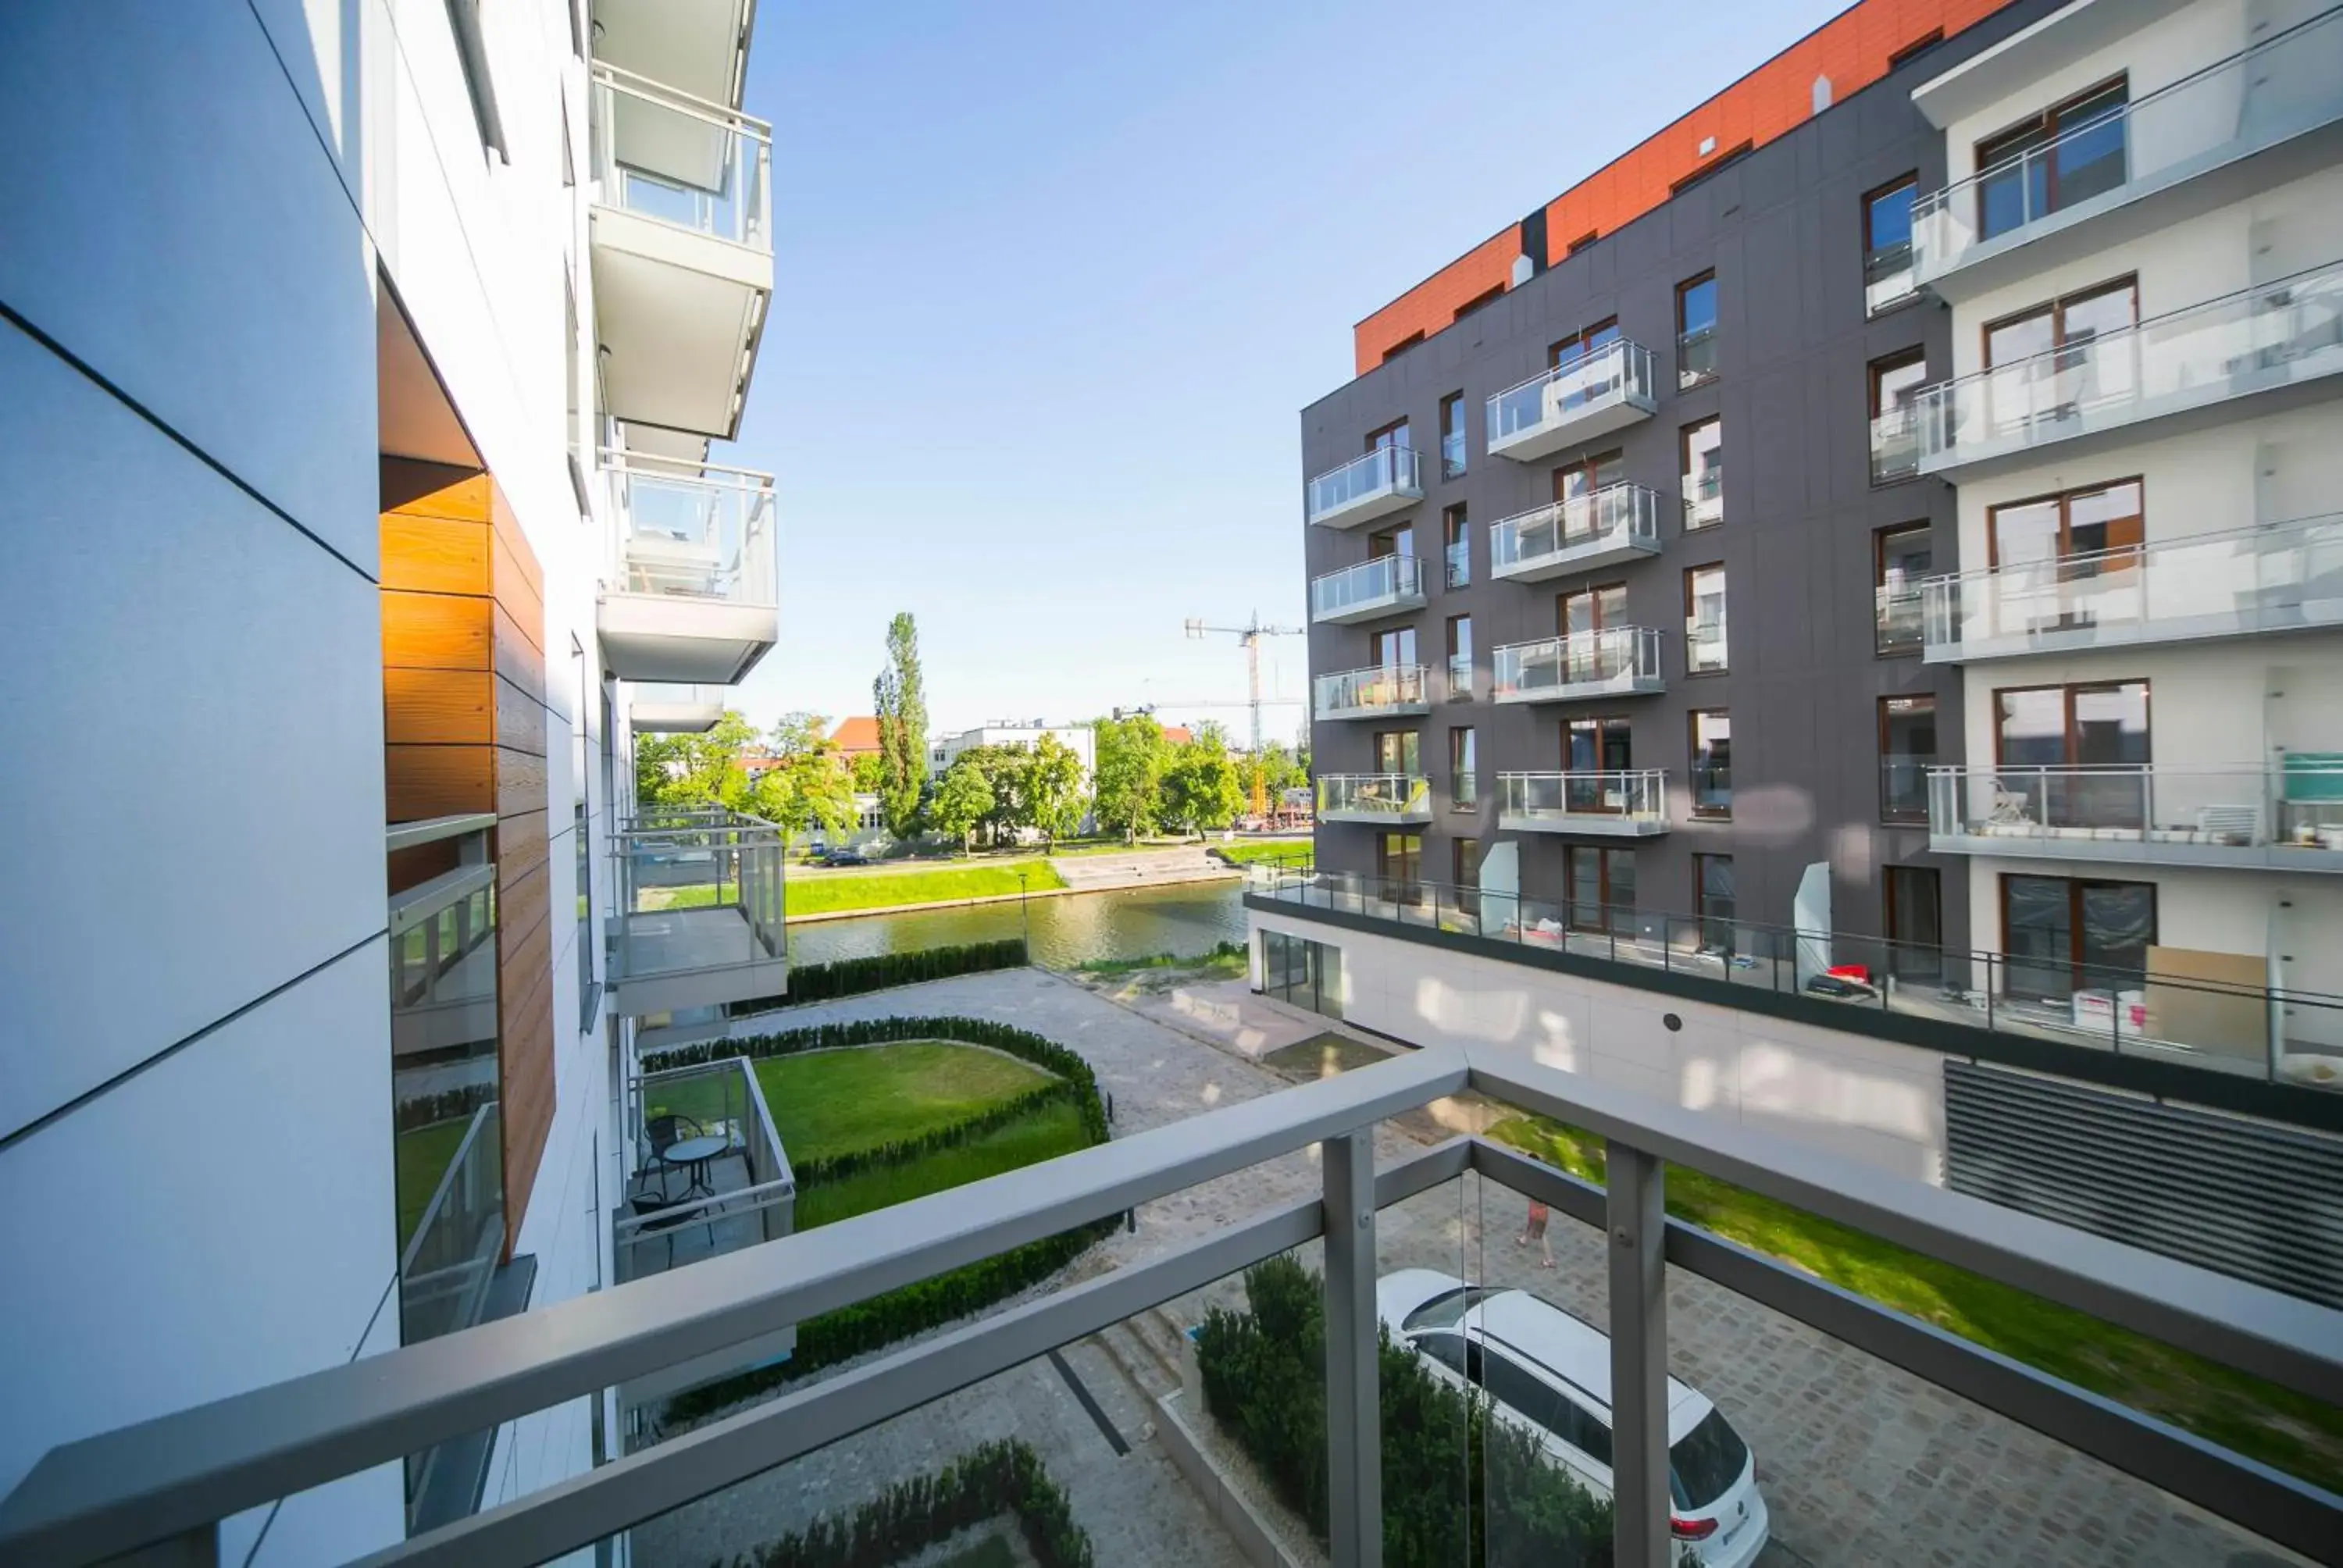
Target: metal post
[(1639, 1357), (1354, 1416)]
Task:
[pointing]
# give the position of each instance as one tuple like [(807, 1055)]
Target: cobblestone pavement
[(1859, 1461)]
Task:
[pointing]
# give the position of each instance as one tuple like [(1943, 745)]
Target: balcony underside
[(2127, 845), (1593, 824), (2322, 612), (680, 960), (1550, 436), (1404, 818), (1575, 558), (1581, 691), (2233, 172), (685, 642), (1365, 510), (679, 314), (1370, 609), (1377, 710), (673, 718), (692, 46)]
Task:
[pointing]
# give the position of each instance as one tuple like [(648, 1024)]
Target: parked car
[(842, 856), (1550, 1375)]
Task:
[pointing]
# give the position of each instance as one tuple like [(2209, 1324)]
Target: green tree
[(1053, 788), (963, 797), (694, 770), (806, 789), (1200, 788), (1005, 770), (870, 772), (903, 706), (1127, 775)]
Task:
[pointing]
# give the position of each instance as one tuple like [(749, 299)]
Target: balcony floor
[(2125, 846), (679, 959), (1593, 824)]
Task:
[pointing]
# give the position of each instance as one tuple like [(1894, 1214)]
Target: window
[(1391, 435), (2064, 934), (1486, 297), (1908, 749), (1582, 242), (1900, 562), (1713, 898), (1704, 643), (1594, 750), (1587, 475), (1915, 923), (1398, 541), (1896, 383), (1916, 48), (1399, 859), (1464, 864), (1302, 974), (1448, 1350), (1590, 609), (2042, 362), (1730, 155), (2070, 152), (1463, 770), (1395, 649), (1712, 762), (1599, 888), (1696, 330), (1887, 278), (1580, 344), (2072, 755), (2071, 537), (1702, 449), (1456, 548), (1399, 751), (1544, 1406), (1401, 346), (1451, 436), (1460, 658)]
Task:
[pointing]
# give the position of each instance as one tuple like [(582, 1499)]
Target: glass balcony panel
[(682, 161), (700, 916), (1617, 522), (1451, 454), (1897, 619), (680, 1210), (1703, 496), (2290, 816), (1374, 797), (1367, 589), (1887, 278), (1634, 802), (1895, 446), (1350, 493), (1618, 659), (692, 531), (1371, 692), (1595, 392), (1459, 559), (1696, 356), (1460, 678)]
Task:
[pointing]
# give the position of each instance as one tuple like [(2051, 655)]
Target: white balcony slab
[(653, 637)]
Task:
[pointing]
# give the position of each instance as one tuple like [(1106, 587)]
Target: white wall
[(1851, 1096)]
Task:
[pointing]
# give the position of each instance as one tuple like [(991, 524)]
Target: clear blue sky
[(1054, 280)]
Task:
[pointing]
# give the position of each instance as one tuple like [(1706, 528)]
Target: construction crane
[(1250, 635)]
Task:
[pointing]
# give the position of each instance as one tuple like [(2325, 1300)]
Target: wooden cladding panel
[(515, 550), (524, 1047), (437, 780), (516, 589), (517, 659), (414, 867), (412, 487), (520, 720), (434, 554), (520, 784), (434, 631), (522, 896), (438, 707)]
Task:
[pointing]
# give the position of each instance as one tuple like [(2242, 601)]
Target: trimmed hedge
[(882, 971), (988, 1481), (1458, 1488), (445, 1106)]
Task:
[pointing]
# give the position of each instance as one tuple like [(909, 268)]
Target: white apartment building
[(1078, 738), (360, 367), (2141, 244)]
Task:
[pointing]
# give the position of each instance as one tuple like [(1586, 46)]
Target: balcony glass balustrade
[(1619, 522), (2288, 818), (1887, 278), (1378, 692), (1895, 445), (1621, 660), (1392, 798), (692, 531), (1703, 496), (700, 912), (1627, 804), (1367, 589), (1370, 485), (682, 161), (1597, 392)]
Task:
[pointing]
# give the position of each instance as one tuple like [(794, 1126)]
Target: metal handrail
[(721, 116), (1399, 469), (2088, 564), (1621, 508), (1376, 686), (619, 459)]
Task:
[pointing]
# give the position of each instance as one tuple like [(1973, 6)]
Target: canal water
[(1186, 919)]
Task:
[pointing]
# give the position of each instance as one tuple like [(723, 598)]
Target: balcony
[(1617, 523), (1384, 799), (1895, 446), (1898, 619), (682, 250), (1623, 805), (1389, 691), (1703, 496), (1695, 357), (696, 46), (1386, 584), (1887, 279), (2283, 338), (1372, 484), (1460, 678), (2287, 819), (699, 921), (2245, 124), (2282, 577), (1602, 390), (658, 708), (691, 595), (1620, 661)]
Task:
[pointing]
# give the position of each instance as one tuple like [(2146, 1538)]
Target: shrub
[(882, 971), (1457, 1486), (988, 1481), (447, 1105)]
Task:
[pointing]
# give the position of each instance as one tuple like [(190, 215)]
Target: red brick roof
[(856, 735), (1177, 734)]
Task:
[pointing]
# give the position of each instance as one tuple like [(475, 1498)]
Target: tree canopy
[(901, 702)]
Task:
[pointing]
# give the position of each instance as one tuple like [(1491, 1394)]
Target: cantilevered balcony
[(1620, 805), (2281, 578), (1372, 484), (2240, 125), (682, 249), (1602, 390), (1617, 523), (2281, 342), (656, 708), (696, 46), (2288, 818), (1618, 661), (1386, 584), (699, 921), (691, 595), (1388, 800), (1389, 691)]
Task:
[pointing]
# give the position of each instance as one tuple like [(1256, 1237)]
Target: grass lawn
[(422, 1156), (1044, 1134), (2279, 1426), (884, 888), (1280, 851), (1225, 962)]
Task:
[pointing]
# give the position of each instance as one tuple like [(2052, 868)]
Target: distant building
[(1178, 734), (857, 734), (942, 749)]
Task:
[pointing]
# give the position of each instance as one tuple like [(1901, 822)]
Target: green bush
[(1457, 1486), (990, 1480), (882, 971), (447, 1105)]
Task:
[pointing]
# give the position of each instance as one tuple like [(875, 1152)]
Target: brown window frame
[(1457, 769), (1603, 899), (1686, 287), (1458, 848), (1582, 242), (1920, 814), (1731, 155), (2068, 690), (2046, 122), (1375, 749), (1887, 365), (1452, 421), (1603, 466), (1553, 359), (2075, 885), (1690, 599), (1601, 723), (1375, 646), (2065, 499), (1692, 752), (2057, 310), (1879, 538), (1592, 592), (1401, 346), (1376, 436), (1485, 297), (1683, 469), (1870, 241), (1916, 48)]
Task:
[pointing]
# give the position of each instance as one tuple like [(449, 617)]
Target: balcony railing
[(1633, 803), (1896, 614), (1895, 445), (1372, 693), (669, 707), (1368, 486), (1370, 589), (690, 532), (1460, 678), (2285, 576), (1458, 559), (2277, 90), (1696, 356), (682, 160), (1703, 496), (1599, 391), (1451, 454), (1623, 660), (2290, 816), (1374, 797), (2270, 336), (1887, 278), (699, 919), (1618, 522)]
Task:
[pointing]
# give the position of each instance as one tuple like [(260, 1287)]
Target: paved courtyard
[(1860, 1462)]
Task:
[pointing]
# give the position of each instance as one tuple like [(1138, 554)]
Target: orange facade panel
[(1852, 49)]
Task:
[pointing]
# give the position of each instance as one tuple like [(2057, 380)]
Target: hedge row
[(881, 971), (901, 1151), (988, 1481), (445, 1106), (1458, 1488)]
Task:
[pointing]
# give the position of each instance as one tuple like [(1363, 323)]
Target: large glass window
[(1460, 658), (1391, 435), (1901, 560), (1451, 436), (1580, 344), (1398, 541), (2105, 523), (1464, 769), (1399, 751), (1908, 749), (1888, 245), (1587, 475), (1712, 762), (1896, 383), (2073, 756), (1696, 330), (1597, 746), (2070, 152), (1456, 547), (1465, 863), (1395, 648), (1702, 449), (1704, 641), (1599, 888), (1398, 861), (2024, 388), (1302, 974), (2065, 934), (1915, 923), (1715, 901)]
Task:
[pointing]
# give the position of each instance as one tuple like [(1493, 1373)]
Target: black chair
[(659, 1216), (664, 1132)]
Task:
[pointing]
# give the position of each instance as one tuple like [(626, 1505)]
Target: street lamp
[(1023, 923)]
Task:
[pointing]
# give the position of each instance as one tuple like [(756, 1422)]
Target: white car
[(1550, 1375)]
